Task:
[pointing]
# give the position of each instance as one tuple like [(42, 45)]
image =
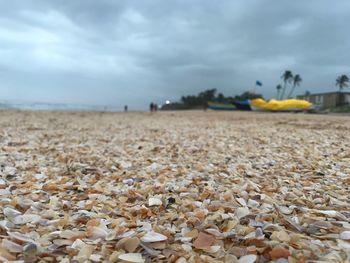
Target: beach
[(186, 186)]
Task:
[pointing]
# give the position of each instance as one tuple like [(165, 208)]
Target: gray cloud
[(132, 52)]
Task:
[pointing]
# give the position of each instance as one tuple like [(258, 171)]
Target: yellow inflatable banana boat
[(279, 105)]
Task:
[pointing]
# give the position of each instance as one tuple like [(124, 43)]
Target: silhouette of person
[(126, 108), (151, 107)]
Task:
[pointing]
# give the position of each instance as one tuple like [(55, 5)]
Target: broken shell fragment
[(345, 235), (26, 218), (11, 246), (2, 183), (242, 212), (97, 232), (248, 259), (30, 252), (154, 201), (132, 257), (11, 213), (153, 237), (204, 241), (131, 244), (128, 244), (21, 237)]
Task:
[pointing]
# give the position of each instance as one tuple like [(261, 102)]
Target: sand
[(174, 187)]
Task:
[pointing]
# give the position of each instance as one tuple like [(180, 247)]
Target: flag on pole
[(258, 83)]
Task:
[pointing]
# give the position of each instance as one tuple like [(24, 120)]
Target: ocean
[(59, 107)]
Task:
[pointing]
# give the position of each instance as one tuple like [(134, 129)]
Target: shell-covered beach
[(174, 187)]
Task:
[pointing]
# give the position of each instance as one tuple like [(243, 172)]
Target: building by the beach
[(328, 99)]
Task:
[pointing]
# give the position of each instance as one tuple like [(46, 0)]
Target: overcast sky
[(110, 52)]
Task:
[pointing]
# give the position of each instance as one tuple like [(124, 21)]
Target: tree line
[(288, 78), (211, 95), (290, 81), (294, 80), (201, 99)]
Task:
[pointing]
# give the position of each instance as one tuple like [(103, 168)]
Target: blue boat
[(242, 104), (220, 106)]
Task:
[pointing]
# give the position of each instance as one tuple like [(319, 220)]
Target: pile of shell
[(174, 187)]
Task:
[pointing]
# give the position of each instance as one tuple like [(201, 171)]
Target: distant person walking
[(151, 107), (126, 108)]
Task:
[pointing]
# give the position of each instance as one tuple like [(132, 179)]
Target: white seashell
[(111, 235), (27, 218), (253, 203), (153, 237), (130, 244), (225, 216), (198, 204), (250, 235), (11, 213), (345, 235), (259, 233), (129, 181), (125, 165), (181, 260), (78, 244), (285, 210), (282, 260), (149, 250), (214, 232), (21, 237), (68, 234), (98, 232), (127, 234), (4, 224), (2, 183), (144, 226), (242, 212), (4, 192), (54, 234), (95, 257), (39, 176), (214, 249), (154, 201), (30, 250), (85, 252), (187, 248), (11, 246), (241, 201), (154, 167), (24, 203), (247, 259), (185, 239), (284, 190), (330, 213), (62, 242), (132, 257)]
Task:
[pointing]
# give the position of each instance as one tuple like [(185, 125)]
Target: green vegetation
[(200, 101), (288, 77), (278, 88), (341, 109), (296, 82), (342, 82)]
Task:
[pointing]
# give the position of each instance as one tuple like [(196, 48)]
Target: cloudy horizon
[(133, 52)]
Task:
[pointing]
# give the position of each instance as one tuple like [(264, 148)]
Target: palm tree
[(278, 88), (287, 77), (342, 82), (296, 82)]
